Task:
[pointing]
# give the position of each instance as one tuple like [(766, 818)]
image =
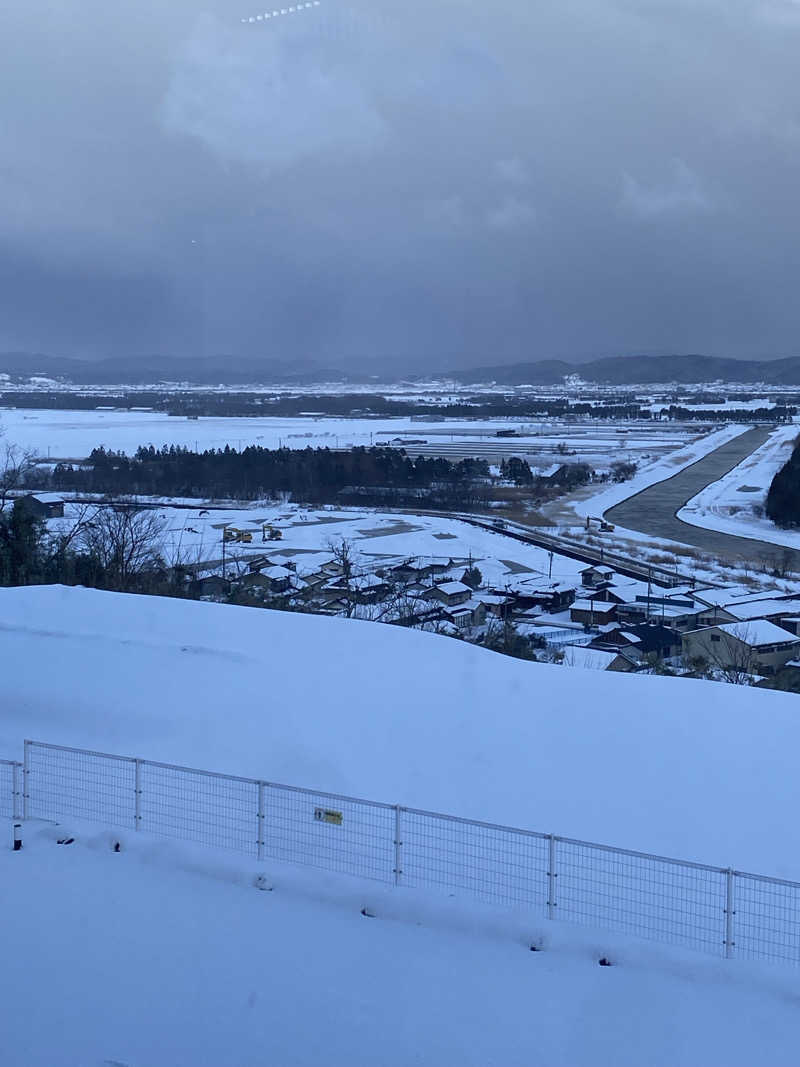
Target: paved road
[(653, 511)]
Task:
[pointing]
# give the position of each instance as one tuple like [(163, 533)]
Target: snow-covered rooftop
[(451, 588), (758, 632), (600, 607), (759, 609), (594, 659), (47, 498)]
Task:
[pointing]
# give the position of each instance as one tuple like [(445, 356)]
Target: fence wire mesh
[(497, 864), (335, 833), (643, 895), (10, 788), (86, 785), (208, 809), (766, 919), (706, 908)]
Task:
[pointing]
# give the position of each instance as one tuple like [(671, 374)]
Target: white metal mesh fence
[(494, 863), (208, 809), (682, 903), (711, 909), (10, 789)]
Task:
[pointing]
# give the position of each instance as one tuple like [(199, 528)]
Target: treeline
[(776, 414), (235, 404), (314, 475), (783, 497)]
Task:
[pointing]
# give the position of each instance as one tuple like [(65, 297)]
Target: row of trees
[(315, 475), (783, 498)]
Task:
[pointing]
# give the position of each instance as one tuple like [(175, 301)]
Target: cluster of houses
[(730, 630), (606, 622)]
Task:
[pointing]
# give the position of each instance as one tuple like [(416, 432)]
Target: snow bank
[(695, 770)]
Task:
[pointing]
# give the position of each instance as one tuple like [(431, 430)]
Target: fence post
[(15, 792), (730, 911), (398, 844), (137, 812), (551, 877), (26, 772), (260, 821)]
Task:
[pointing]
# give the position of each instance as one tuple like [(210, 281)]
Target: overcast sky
[(448, 181)]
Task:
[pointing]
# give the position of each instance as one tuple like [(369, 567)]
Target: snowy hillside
[(166, 955), (681, 768), (163, 957)]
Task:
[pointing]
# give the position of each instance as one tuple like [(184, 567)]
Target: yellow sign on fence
[(325, 815)]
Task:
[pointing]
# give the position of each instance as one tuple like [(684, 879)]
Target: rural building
[(592, 612), (41, 505), (471, 613), (596, 659), (549, 596), (211, 585), (269, 580), (756, 647), (450, 593), (596, 574)]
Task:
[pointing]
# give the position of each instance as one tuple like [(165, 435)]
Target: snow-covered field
[(195, 535), (73, 434), (162, 954), (727, 505)]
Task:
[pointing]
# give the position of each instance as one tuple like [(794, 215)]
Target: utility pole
[(223, 552), (550, 569)]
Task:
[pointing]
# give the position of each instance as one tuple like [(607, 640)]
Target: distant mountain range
[(150, 370), (232, 370), (641, 370)]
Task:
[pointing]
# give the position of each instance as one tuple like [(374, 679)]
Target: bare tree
[(126, 541), (732, 658), (345, 556), (16, 465)]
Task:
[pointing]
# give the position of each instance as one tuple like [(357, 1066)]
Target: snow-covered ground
[(671, 766), (160, 956), (75, 433), (195, 535), (727, 505), (163, 954)]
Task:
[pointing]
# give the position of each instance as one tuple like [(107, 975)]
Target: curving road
[(653, 511)]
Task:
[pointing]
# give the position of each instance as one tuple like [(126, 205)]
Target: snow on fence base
[(710, 909)]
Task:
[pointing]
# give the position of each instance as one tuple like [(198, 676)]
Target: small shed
[(41, 505)]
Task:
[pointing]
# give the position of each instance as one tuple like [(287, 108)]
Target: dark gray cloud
[(445, 182)]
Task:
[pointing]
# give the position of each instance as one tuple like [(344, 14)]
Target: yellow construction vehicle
[(232, 535), (605, 527), (270, 533)]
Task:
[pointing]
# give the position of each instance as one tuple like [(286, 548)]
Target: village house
[(212, 585), (596, 575), (465, 615), (755, 647), (592, 612), (449, 593), (41, 505), (597, 659)]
